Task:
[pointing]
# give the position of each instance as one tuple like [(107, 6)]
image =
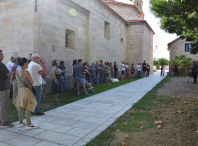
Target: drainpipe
[(35, 5)]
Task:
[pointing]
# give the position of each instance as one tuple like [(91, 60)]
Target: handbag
[(33, 89), (51, 77)]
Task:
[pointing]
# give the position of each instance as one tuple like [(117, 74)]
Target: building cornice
[(130, 22)]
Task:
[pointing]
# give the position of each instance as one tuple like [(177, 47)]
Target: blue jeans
[(94, 78), (147, 73), (64, 81), (138, 74), (38, 97), (115, 74), (101, 77), (105, 78)]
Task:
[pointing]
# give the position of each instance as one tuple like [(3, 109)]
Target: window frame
[(189, 47)]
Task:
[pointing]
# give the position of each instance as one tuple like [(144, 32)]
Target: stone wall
[(17, 29), (177, 48), (139, 44)]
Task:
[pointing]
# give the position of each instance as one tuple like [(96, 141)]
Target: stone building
[(92, 30), (180, 47)]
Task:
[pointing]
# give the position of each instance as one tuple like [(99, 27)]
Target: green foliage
[(182, 61), (178, 17), (160, 61)]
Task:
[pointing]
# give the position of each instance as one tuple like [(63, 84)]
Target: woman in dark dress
[(56, 84), (144, 69), (132, 70)]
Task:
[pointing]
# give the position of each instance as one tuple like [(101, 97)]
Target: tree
[(183, 63), (180, 17), (160, 61)]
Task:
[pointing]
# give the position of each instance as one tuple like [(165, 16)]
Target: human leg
[(105, 77), (4, 103), (20, 114), (27, 117), (94, 78), (101, 77), (15, 88), (38, 98)]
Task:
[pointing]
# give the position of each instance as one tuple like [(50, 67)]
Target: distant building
[(180, 47)]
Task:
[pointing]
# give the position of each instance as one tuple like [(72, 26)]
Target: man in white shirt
[(139, 68), (122, 70), (36, 71), (10, 63)]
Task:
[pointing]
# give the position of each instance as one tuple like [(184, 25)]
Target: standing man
[(194, 71), (10, 63), (105, 72), (93, 73), (144, 68), (122, 70), (101, 71), (13, 79), (79, 72), (97, 71), (115, 70), (5, 75), (64, 79), (36, 71), (139, 70), (30, 56), (176, 70)]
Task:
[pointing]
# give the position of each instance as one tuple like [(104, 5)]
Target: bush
[(160, 61)]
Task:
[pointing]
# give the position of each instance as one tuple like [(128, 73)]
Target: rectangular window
[(187, 47), (107, 30), (70, 39)]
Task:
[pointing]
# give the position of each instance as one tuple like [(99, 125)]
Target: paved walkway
[(77, 123)]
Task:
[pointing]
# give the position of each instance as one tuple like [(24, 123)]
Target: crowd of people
[(24, 81)]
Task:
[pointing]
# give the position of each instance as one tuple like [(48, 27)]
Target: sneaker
[(39, 114), (7, 124), (32, 126), (87, 93), (79, 94), (21, 124)]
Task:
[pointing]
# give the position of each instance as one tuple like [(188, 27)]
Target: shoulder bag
[(33, 89), (51, 77)]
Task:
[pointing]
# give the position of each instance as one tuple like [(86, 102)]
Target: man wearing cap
[(36, 71), (93, 73)]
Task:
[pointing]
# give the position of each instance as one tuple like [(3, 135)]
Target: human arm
[(54, 75)]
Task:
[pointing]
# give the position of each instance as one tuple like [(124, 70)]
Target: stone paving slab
[(77, 123)]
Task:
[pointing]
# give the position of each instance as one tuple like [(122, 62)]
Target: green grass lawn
[(154, 70), (66, 98)]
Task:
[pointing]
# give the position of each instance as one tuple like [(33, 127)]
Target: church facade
[(92, 30)]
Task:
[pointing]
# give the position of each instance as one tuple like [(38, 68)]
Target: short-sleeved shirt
[(34, 69), (44, 74), (115, 68), (122, 67), (4, 79), (176, 68), (98, 70), (9, 65), (57, 70), (92, 67), (79, 70), (139, 67), (62, 68)]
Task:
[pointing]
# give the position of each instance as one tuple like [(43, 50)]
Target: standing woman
[(127, 70), (147, 70), (111, 66), (43, 78), (108, 71), (163, 69), (56, 84), (64, 79), (132, 70), (25, 98)]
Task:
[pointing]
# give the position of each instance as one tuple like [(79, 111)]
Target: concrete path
[(77, 123)]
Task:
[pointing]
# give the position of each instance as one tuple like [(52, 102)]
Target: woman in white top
[(163, 69)]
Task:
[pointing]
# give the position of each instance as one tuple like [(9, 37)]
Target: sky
[(161, 38)]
